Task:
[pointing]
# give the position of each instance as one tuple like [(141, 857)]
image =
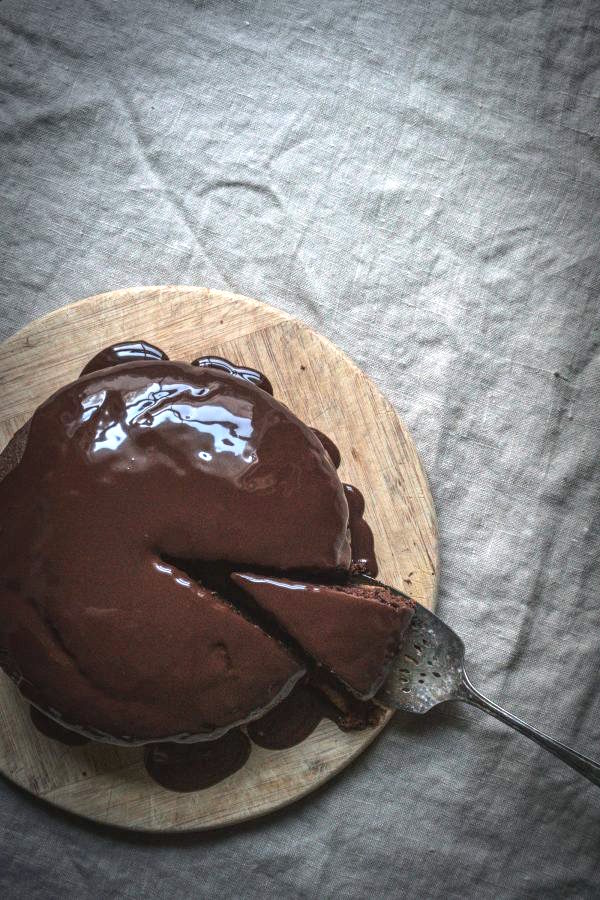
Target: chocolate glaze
[(363, 548), (193, 767), (125, 351), (243, 372), (122, 468), (332, 450), (51, 729), (131, 434)]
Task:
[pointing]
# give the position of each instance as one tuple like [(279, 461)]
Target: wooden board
[(325, 389)]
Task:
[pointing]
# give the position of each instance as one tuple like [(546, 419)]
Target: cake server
[(429, 670)]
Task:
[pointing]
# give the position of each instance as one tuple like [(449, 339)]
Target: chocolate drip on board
[(224, 365), (361, 536), (290, 722), (332, 449), (123, 352), (51, 729), (195, 767)]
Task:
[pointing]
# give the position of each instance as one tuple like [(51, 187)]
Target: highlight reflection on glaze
[(203, 429)]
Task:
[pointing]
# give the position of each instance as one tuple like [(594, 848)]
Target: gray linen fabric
[(419, 181)]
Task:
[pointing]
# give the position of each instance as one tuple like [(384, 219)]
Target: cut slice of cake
[(353, 631)]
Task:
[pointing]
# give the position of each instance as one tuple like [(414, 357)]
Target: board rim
[(330, 347)]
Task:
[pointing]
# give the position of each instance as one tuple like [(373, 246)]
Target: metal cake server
[(429, 669)]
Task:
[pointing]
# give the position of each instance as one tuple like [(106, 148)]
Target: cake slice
[(353, 631)]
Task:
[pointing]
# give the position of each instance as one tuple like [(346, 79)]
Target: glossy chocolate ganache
[(176, 552)]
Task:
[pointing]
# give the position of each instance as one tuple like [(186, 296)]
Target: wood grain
[(325, 389)]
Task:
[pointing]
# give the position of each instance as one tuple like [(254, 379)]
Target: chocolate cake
[(176, 551)]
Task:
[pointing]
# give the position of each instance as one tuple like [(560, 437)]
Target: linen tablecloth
[(420, 182)]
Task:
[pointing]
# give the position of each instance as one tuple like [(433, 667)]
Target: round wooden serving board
[(326, 390)]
